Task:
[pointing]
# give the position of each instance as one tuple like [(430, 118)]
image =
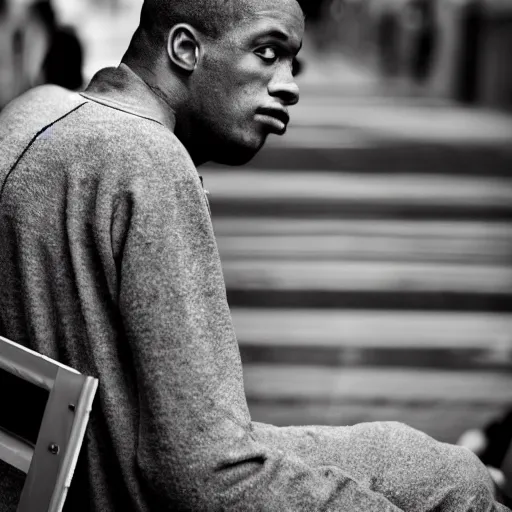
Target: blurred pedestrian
[(472, 31), (492, 443), (422, 25), (388, 33), (11, 58), (3, 9), (108, 263), (62, 61)]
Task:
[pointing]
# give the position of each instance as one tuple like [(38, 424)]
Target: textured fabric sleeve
[(411, 469), (197, 449)]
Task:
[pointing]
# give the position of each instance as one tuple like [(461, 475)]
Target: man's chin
[(236, 154)]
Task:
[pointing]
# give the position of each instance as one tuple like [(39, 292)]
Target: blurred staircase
[(368, 262)]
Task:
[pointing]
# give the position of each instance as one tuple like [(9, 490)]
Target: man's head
[(225, 67)]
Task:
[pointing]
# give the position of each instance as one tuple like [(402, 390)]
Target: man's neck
[(175, 97)]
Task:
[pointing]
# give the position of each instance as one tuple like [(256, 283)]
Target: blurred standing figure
[(492, 444), (108, 263), (11, 58), (421, 21), (388, 33), (473, 26), (58, 59), (35, 49)]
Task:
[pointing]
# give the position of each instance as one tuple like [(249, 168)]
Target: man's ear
[(183, 47)]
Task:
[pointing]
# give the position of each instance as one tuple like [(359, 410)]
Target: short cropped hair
[(212, 17)]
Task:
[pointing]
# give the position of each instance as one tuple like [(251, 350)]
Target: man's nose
[(286, 89)]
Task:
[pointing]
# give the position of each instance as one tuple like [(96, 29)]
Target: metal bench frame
[(49, 465)]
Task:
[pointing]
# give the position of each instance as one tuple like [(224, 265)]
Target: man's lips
[(275, 118)]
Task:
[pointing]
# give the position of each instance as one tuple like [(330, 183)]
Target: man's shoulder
[(38, 108), (26, 117), (51, 105), (57, 124), (124, 137)]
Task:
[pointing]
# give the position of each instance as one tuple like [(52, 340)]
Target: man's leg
[(412, 470)]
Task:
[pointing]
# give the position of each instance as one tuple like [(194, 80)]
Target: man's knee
[(466, 482), (451, 461), (442, 475), (467, 467), (470, 486)]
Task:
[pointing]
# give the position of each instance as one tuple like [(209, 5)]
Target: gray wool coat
[(108, 263)]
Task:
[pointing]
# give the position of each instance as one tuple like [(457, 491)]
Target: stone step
[(347, 338), (353, 276), (442, 403), (270, 226), (367, 285), (371, 329), (439, 372), (351, 150), (351, 195), (318, 384), (460, 359), (400, 300), (314, 184), (367, 248)]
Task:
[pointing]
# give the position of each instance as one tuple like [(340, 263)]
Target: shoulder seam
[(32, 142), (119, 109)]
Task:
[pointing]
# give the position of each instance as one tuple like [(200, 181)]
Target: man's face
[(244, 82)]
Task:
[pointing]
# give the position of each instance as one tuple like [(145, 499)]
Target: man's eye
[(268, 54)]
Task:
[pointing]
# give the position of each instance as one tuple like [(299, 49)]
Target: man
[(108, 263)]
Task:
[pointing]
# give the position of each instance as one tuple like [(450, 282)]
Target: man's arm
[(197, 449)]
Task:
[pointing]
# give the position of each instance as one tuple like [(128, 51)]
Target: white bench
[(49, 464)]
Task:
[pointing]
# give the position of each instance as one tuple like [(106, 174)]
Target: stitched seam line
[(32, 142), (120, 109)]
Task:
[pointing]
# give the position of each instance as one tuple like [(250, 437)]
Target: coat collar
[(122, 89)]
